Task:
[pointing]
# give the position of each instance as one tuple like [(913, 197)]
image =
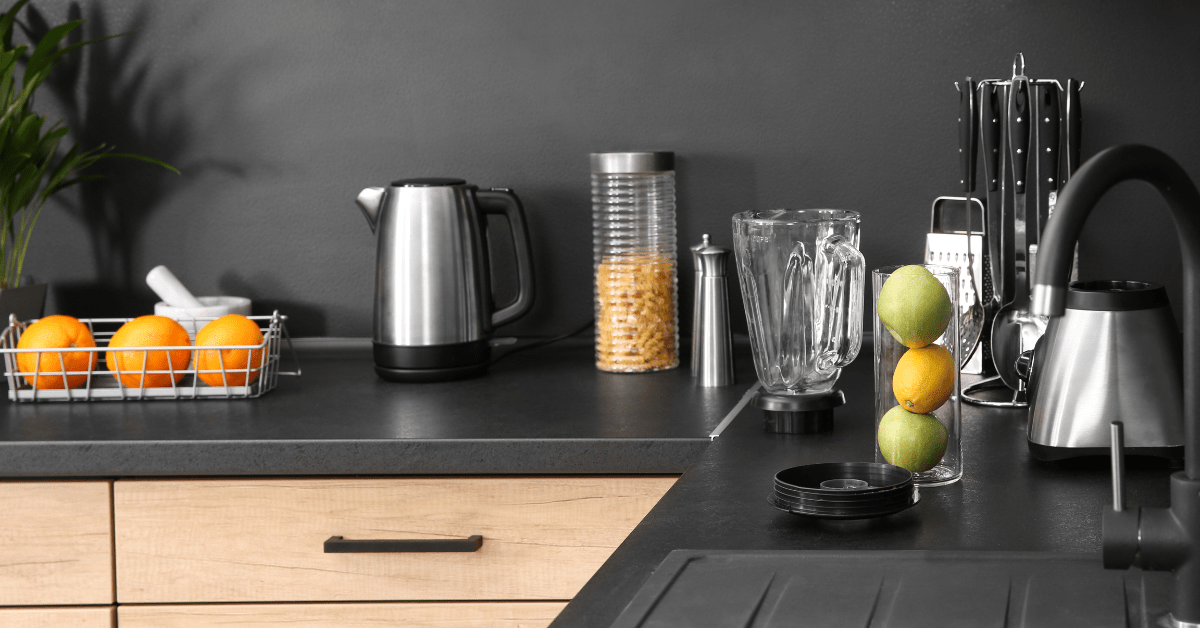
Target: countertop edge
[(127, 458)]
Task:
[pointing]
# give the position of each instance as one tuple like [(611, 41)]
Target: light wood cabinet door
[(66, 617), (56, 543), (351, 615), (262, 540)]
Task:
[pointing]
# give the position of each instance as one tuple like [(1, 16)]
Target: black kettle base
[(421, 376), (1046, 453)]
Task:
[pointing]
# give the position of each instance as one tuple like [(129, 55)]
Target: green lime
[(914, 306), (916, 442)]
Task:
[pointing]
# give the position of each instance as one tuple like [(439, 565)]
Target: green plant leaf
[(149, 160), (6, 23), (46, 52)]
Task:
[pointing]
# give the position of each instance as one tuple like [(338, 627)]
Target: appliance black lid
[(1115, 296), (427, 182)]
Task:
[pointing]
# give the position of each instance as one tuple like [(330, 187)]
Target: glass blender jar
[(801, 275)]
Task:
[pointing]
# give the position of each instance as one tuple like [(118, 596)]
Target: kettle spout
[(369, 200)]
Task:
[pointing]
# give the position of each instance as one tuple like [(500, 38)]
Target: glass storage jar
[(633, 245)]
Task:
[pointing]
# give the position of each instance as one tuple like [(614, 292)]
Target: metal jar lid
[(632, 163)]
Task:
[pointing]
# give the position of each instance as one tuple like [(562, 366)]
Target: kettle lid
[(1115, 296), (427, 182)]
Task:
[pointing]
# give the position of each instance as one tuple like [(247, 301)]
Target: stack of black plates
[(844, 490)]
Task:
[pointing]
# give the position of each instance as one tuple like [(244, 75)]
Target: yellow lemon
[(924, 379)]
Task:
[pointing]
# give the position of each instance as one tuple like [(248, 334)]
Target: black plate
[(870, 514), (881, 478), (868, 502)]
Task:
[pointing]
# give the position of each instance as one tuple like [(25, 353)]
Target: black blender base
[(431, 375), (810, 413)]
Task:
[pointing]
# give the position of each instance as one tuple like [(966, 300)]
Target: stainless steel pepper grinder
[(712, 344)]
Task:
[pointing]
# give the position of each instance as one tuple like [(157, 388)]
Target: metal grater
[(946, 245)]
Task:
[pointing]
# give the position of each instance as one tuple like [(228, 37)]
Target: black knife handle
[(1018, 131), (989, 127), (968, 133), (339, 545), (1048, 131), (1074, 128)]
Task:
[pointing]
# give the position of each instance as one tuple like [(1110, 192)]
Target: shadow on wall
[(709, 190), (124, 109), (303, 319)]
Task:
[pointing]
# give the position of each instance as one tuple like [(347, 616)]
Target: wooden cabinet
[(64, 617), (261, 540), (349, 615), (257, 545), (56, 543)]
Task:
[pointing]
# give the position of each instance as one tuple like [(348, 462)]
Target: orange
[(148, 331), (56, 332), (924, 379), (231, 329)]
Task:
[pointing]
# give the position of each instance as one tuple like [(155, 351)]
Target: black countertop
[(1006, 500), (545, 410)]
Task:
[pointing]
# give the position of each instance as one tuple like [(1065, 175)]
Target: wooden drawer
[(352, 615), (56, 543), (65, 617), (262, 540)]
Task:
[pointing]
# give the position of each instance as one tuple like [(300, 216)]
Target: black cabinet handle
[(339, 545)]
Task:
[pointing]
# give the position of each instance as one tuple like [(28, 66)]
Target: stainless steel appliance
[(434, 310), (1114, 355)]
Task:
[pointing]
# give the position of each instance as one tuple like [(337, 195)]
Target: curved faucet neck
[(1055, 253)]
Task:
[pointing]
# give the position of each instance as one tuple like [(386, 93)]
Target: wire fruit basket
[(260, 374)]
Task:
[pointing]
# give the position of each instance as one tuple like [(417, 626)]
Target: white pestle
[(170, 289)]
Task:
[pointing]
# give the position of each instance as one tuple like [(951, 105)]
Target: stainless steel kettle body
[(434, 310), (1115, 355)]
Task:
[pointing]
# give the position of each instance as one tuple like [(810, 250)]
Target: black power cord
[(543, 342)]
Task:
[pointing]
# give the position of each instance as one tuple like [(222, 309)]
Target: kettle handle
[(504, 202)]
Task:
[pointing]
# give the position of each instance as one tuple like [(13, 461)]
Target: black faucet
[(1160, 539)]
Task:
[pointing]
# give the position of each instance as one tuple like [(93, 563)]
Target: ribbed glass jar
[(633, 244)]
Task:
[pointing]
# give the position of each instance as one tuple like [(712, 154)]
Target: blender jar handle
[(840, 269)]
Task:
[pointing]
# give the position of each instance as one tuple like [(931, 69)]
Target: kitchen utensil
[(1158, 539), (433, 305), (1074, 124), (949, 243), (101, 385), (1114, 355), (633, 244), (801, 275), (167, 286), (968, 134), (1014, 330), (887, 354), (990, 110), (712, 342), (1047, 150)]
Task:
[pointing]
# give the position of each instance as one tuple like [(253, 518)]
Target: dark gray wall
[(278, 113)]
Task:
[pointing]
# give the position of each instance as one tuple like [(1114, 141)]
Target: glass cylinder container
[(888, 352), (633, 246)]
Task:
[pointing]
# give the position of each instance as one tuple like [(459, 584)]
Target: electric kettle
[(1115, 355), (434, 311)]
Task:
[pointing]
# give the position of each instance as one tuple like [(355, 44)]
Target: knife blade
[(1074, 128), (989, 131), (1074, 116), (1018, 150), (968, 140)]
